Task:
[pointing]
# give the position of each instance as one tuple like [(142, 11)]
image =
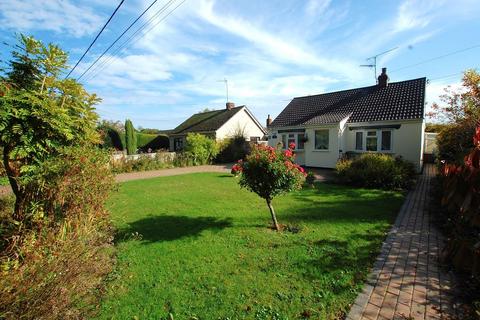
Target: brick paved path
[(406, 281)]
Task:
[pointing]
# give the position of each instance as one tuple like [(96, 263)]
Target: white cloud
[(415, 14), (61, 16), (316, 7)]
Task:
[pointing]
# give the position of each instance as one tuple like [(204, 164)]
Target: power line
[(446, 76), (118, 38), (94, 40), (437, 58), (112, 57)]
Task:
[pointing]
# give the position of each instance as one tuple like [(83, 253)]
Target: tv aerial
[(373, 59), (226, 85)]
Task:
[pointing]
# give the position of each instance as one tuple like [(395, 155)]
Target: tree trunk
[(274, 217), (12, 175)]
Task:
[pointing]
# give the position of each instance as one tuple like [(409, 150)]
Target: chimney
[(269, 121), (230, 105), (383, 79)]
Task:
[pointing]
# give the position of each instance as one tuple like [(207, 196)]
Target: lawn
[(199, 247)]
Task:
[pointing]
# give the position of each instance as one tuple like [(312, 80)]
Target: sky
[(269, 51)]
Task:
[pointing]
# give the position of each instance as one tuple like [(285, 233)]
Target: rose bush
[(269, 172)]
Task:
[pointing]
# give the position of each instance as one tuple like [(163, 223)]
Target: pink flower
[(291, 146), (288, 153)]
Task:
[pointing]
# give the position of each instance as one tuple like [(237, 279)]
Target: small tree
[(130, 138), (269, 172), (40, 113)]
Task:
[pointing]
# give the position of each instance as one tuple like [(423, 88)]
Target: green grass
[(206, 252)]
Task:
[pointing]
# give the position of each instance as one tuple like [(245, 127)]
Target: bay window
[(297, 138), (373, 140)]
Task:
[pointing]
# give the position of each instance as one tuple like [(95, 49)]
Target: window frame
[(361, 140), (289, 137), (379, 138), (315, 140)]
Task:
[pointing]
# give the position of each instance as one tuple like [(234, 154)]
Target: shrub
[(270, 172), (455, 141), (112, 139), (233, 149), (159, 142), (310, 178), (200, 149), (461, 197), (53, 262), (373, 170)]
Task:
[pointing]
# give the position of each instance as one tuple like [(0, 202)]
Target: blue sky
[(270, 51)]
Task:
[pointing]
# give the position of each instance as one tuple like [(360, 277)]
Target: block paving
[(407, 281)]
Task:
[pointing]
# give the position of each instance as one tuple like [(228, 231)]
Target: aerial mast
[(374, 62)]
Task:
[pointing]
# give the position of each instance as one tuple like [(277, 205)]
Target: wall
[(322, 158), (310, 157), (240, 121), (165, 156), (407, 141)]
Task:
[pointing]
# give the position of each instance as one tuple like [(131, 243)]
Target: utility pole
[(374, 62)]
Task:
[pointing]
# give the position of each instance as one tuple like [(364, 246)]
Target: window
[(359, 140), (300, 141), (291, 139), (386, 140), (287, 139), (321, 140), (371, 142), (178, 144), (254, 139)]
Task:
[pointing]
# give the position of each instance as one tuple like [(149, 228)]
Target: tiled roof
[(398, 101), (206, 121)]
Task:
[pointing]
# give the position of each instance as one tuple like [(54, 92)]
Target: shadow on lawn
[(168, 228), (337, 204)]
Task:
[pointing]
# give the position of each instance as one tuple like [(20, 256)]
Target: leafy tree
[(269, 172), (40, 113), (130, 137), (461, 110), (200, 148), (117, 125), (460, 105)]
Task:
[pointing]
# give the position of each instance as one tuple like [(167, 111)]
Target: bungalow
[(385, 118), (218, 124)]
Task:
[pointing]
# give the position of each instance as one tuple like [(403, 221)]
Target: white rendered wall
[(240, 121)]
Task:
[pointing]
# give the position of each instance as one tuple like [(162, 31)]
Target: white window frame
[(379, 141), (314, 138), (294, 135)]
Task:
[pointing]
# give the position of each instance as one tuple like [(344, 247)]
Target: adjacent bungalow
[(385, 118), (219, 124)]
